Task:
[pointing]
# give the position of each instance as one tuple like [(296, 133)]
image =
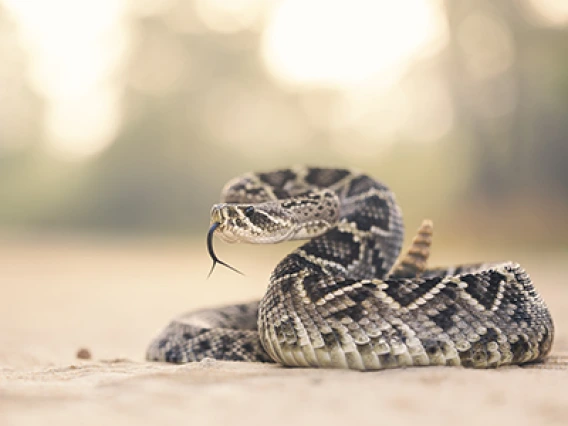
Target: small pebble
[(83, 353)]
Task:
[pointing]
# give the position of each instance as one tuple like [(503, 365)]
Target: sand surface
[(112, 297)]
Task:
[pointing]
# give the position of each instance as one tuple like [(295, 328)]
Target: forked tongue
[(212, 252)]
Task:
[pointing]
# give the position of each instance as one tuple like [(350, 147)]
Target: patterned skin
[(340, 301)]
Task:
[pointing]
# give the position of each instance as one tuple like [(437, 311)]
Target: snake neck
[(363, 244)]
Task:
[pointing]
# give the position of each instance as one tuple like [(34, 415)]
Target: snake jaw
[(222, 215)]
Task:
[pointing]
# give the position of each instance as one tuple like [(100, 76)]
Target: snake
[(347, 298)]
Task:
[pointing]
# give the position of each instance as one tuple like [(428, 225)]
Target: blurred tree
[(20, 107), (21, 112), (509, 91)]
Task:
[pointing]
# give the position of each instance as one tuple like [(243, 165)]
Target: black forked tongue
[(212, 252)]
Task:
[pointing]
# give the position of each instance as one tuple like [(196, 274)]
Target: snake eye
[(249, 211)]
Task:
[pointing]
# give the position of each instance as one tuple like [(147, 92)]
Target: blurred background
[(120, 121), (126, 117)]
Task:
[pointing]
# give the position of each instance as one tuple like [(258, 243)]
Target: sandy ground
[(57, 296)]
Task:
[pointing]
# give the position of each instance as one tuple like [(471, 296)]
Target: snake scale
[(341, 300)]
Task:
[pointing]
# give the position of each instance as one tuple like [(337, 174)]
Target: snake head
[(261, 223)]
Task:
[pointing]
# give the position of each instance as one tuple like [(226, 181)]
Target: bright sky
[(76, 46), (343, 43)]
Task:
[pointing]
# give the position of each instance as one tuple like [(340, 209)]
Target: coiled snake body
[(340, 301)]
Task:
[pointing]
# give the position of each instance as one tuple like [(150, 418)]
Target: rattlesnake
[(340, 301)]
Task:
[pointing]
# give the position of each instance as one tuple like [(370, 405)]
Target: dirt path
[(57, 297)]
